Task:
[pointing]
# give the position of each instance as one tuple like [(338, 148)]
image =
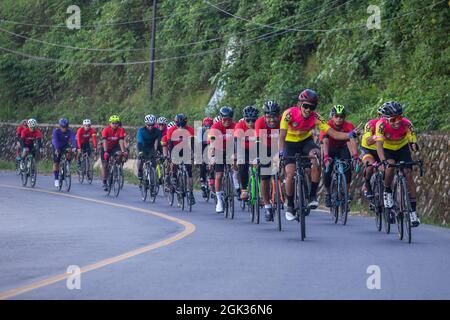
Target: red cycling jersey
[(333, 143), (176, 134), (220, 134), (29, 137), (112, 137), (244, 134), (265, 133), (164, 141), (19, 130), (83, 137)]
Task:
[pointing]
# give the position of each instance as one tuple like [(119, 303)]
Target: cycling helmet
[(309, 96), (338, 109), (25, 122), (271, 107), (251, 113), (180, 120), (226, 112), (207, 122), (391, 108), (150, 119), (63, 122), (114, 118), (217, 119), (170, 124), (87, 122), (162, 120), (32, 123)]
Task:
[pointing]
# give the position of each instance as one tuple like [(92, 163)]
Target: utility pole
[(152, 51)]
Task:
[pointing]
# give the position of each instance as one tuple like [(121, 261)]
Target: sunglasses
[(227, 119), (115, 123), (250, 120), (395, 119), (309, 106), (339, 117)]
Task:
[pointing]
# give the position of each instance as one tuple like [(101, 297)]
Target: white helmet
[(86, 122), (171, 124), (150, 119), (162, 120), (32, 123), (217, 119)]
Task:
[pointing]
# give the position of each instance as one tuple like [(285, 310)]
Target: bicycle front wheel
[(67, 177), (406, 206), (116, 180), (33, 172), (230, 196), (343, 199)]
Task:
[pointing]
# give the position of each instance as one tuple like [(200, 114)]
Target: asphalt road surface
[(128, 249)]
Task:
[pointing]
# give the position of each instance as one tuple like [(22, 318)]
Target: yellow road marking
[(188, 229)]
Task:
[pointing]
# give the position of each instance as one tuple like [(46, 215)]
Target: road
[(128, 249)]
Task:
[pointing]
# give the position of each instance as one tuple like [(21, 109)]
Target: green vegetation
[(407, 60)]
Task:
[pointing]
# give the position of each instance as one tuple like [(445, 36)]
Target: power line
[(285, 29), (64, 26), (145, 49), (242, 44)]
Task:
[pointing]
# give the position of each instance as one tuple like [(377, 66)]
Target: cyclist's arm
[(325, 147), (379, 132), (73, 139), (336, 134), (282, 139), (140, 141), (78, 138), (94, 139), (122, 144), (353, 147)]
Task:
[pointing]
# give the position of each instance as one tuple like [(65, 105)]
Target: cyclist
[(84, 135), (221, 134), (296, 128), (203, 137), (179, 134), (217, 119), (340, 149), (30, 140), (148, 142), (369, 153), (267, 130), (113, 137), (63, 139), (20, 128), (162, 125), (245, 138), (394, 138)]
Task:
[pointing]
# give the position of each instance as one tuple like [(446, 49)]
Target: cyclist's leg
[(56, 161), (219, 170), (391, 157), (310, 148), (104, 169), (368, 158), (291, 148)]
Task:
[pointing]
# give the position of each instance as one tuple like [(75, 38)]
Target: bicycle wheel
[(62, 173), (277, 201), (117, 180), (121, 176), (90, 170), (82, 170), (67, 177), (110, 178), (343, 199), (334, 210), (301, 207), (144, 185), (230, 196), (375, 203), (24, 173), (154, 185), (406, 210), (251, 186), (180, 191), (33, 172)]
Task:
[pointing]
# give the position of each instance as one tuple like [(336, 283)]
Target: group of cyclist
[(265, 140)]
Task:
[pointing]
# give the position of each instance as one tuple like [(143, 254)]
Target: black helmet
[(226, 112), (271, 107), (309, 96), (338, 109), (391, 108), (180, 120), (251, 113)]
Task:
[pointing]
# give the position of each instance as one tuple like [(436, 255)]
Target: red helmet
[(309, 96), (207, 122)]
